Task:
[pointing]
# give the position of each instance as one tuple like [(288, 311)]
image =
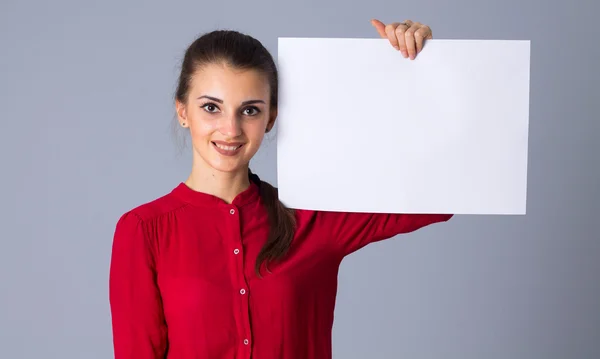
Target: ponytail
[(282, 225)]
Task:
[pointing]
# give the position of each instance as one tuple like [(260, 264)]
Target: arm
[(139, 328), (352, 231)]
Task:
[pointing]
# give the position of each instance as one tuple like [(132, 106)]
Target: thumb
[(380, 27)]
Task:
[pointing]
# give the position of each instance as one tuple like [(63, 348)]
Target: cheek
[(200, 128), (255, 132)]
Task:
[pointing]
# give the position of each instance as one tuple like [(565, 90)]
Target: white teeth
[(227, 148)]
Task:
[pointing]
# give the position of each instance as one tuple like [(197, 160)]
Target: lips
[(227, 148)]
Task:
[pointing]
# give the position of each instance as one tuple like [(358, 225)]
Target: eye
[(251, 111), (210, 107)]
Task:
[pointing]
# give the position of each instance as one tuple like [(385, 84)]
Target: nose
[(230, 125)]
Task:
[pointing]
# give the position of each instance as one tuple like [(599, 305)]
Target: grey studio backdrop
[(85, 107)]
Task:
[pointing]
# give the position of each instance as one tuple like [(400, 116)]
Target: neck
[(224, 185)]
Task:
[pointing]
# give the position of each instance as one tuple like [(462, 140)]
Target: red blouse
[(183, 285)]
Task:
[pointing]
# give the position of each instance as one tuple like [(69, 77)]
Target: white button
[(246, 341), (242, 291), (232, 211), (236, 251)]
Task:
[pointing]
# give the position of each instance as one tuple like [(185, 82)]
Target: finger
[(424, 32), (390, 30), (409, 38), (380, 27), (399, 33)]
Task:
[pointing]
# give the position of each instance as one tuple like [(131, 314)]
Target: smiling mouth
[(227, 147)]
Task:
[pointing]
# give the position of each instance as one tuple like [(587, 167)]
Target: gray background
[(86, 106)]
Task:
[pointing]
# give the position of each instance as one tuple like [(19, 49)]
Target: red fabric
[(183, 285)]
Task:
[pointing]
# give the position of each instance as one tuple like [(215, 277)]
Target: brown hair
[(244, 52)]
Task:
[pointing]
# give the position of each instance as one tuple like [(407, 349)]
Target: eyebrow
[(249, 102)]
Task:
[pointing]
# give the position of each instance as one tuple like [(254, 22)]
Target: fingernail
[(405, 54), (396, 47)]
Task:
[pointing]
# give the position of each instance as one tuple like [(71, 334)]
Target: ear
[(181, 112), (272, 118)]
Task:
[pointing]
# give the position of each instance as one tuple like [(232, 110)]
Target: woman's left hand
[(407, 37)]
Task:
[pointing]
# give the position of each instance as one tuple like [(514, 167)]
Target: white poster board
[(362, 129)]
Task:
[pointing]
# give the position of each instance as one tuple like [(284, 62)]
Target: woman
[(218, 267)]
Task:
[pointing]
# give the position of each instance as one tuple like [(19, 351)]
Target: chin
[(229, 169), (228, 165)]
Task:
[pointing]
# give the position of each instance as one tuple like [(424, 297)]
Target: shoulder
[(316, 220), (154, 209)]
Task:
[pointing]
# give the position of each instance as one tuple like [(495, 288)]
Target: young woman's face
[(227, 112)]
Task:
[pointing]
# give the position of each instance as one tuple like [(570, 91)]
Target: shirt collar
[(197, 198)]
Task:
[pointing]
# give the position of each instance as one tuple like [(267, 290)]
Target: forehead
[(226, 82)]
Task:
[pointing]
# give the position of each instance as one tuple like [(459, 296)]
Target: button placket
[(244, 326)]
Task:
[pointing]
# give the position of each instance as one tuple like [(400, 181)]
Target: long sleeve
[(352, 231), (139, 328)]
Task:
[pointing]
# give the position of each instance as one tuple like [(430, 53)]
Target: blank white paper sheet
[(362, 129)]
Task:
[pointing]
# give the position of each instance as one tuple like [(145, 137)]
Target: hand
[(407, 37)]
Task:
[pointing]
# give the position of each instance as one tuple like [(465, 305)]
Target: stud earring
[(183, 124)]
